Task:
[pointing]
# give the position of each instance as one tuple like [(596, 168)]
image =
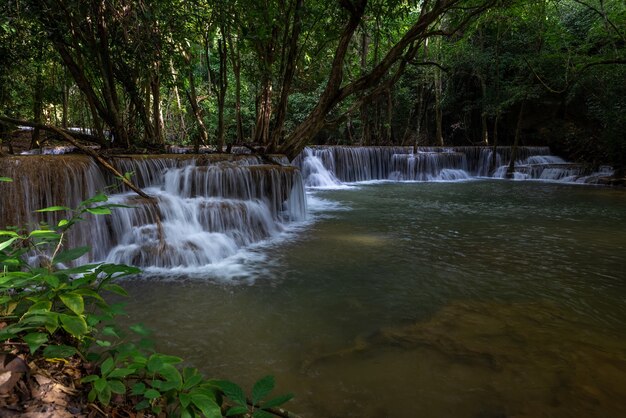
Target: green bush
[(59, 311)]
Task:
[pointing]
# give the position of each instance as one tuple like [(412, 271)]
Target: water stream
[(473, 299), (416, 283)]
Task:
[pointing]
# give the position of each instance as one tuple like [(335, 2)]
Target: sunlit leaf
[(75, 325), (53, 209), (74, 302), (7, 243), (99, 211)]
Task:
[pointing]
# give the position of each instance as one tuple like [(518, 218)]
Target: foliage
[(563, 58), (59, 311)]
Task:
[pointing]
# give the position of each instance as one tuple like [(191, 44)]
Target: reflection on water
[(481, 299)]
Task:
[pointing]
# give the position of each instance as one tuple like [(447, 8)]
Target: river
[(481, 298)]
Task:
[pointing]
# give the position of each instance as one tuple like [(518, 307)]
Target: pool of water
[(474, 299)]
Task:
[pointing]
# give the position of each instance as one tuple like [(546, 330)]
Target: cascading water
[(203, 212), (356, 164), (208, 208)]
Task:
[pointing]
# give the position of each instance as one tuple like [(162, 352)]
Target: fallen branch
[(261, 153), (69, 138), (279, 412)]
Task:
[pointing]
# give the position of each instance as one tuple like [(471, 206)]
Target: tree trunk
[(264, 112), (366, 135), (157, 115), (66, 99), (235, 58), (334, 92), (222, 86), (202, 136), (290, 69), (179, 105)]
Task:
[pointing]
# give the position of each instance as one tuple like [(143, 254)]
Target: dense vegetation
[(285, 73)]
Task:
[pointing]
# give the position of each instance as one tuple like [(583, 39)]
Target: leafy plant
[(58, 311), (51, 300), (257, 406)]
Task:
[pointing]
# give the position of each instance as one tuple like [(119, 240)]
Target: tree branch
[(69, 138)]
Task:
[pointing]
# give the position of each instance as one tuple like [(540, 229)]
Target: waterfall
[(207, 208), (314, 170), (355, 164)]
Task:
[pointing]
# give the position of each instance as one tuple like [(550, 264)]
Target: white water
[(207, 217), (333, 167), (211, 217)]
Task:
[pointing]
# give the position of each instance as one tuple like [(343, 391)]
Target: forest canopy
[(282, 74)]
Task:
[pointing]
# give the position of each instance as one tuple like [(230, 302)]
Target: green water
[(477, 299)]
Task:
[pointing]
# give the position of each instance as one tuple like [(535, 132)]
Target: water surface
[(472, 299)]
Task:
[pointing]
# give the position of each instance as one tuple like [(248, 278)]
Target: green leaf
[(206, 405), (236, 410), (99, 210), (6, 179), (105, 396), (232, 390), (52, 280), (90, 378), (70, 255), (262, 388), (142, 405), (110, 331), (117, 387), (7, 243), (138, 389), (74, 302), (151, 394), (169, 359), (185, 413), (42, 233), (111, 269), (140, 329), (53, 209), (92, 395), (121, 372), (106, 366), (154, 364), (59, 351), (75, 325), (277, 401), (44, 305), (114, 288), (184, 399), (171, 374), (103, 343), (192, 381), (100, 384), (62, 223), (88, 293), (35, 340), (99, 197)]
